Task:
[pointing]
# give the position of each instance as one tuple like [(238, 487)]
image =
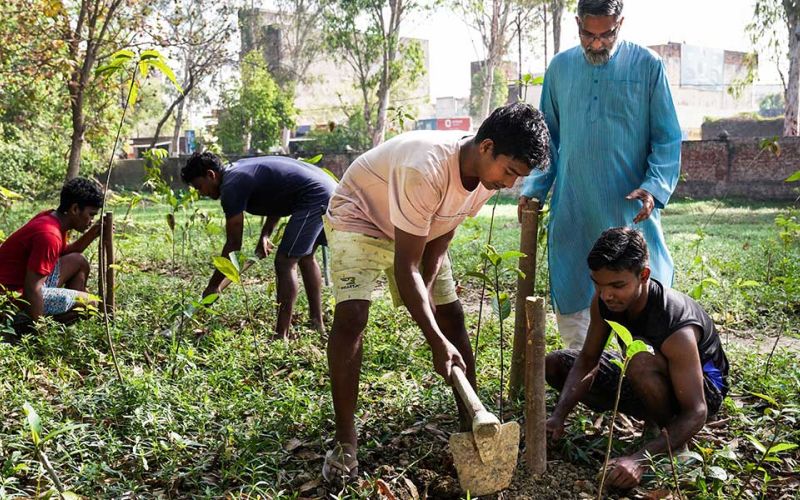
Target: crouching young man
[(395, 212), (677, 388), (37, 261)]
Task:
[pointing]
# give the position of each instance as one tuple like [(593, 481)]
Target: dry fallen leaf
[(384, 489), (292, 444), (310, 485)]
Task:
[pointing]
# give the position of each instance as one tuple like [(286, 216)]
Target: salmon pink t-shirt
[(36, 246), (413, 182)]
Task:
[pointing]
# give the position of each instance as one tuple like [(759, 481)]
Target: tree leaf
[(479, 275), (236, 259), (160, 65), (209, 299), (134, 94), (636, 347), (618, 363), (226, 267), (313, 160), (512, 254), (759, 446), (781, 447), (34, 423), (503, 307), (794, 177), (718, 473), (622, 332), (766, 398)]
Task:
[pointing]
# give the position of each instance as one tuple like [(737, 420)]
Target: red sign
[(460, 123)]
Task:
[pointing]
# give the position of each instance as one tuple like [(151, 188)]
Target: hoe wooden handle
[(484, 423)]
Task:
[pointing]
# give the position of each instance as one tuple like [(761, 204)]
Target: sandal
[(340, 464)]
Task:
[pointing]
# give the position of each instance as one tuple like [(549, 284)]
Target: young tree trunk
[(790, 126), (488, 86), (176, 131), (78, 129), (388, 58), (557, 11)]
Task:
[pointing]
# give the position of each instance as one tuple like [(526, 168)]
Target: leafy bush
[(339, 138)]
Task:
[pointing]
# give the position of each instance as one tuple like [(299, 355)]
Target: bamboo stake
[(535, 409), (529, 220)]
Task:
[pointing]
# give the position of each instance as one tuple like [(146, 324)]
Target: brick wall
[(129, 174), (738, 168), (709, 169)]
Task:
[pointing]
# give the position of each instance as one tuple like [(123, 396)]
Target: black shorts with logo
[(604, 386)]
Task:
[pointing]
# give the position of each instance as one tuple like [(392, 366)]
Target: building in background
[(329, 87), (699, 79)]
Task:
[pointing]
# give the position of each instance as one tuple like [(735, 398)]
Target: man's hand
[(625, 472), (445, 356), (264, 247), (94, 230), (210, 290), (648, 203), (554, 427), (523, 201)]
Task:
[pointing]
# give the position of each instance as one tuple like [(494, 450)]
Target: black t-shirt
[(273, 185), (666, 312)]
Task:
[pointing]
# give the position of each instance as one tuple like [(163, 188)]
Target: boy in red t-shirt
[(37, 262)]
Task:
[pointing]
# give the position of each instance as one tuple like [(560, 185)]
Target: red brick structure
[(738, 168)]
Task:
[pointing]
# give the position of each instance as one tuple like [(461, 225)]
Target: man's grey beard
[(599, 57)]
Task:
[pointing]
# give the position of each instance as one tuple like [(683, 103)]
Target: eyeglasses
[(590, 37)]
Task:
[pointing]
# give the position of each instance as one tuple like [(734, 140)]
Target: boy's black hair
[(518, 130), (198, 164), (619, 249), (611, 8), (85, 192)]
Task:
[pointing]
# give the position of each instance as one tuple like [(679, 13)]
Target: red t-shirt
[(36, 246)]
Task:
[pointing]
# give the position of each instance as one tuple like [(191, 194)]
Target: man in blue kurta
[(616, 146)]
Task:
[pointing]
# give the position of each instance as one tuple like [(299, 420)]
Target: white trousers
[(573, 328)]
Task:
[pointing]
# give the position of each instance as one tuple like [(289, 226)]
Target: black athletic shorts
[(604, 386)]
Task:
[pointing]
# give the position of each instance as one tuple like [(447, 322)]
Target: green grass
[(198, 416)]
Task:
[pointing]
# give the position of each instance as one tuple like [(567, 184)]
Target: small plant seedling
[(632, 348), (231, 268)]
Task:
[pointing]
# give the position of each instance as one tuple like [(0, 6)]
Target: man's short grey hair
[(611, 8)]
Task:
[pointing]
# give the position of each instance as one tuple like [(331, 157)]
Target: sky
[(708, 23)]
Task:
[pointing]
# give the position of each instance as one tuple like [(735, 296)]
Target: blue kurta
[(613, 129)]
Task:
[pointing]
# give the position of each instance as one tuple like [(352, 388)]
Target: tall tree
[(92, 30), (495, 21), (375, 53), (254, 111), (302, 41), (557, 8), (775, 24), (196, 34), (69, 39)]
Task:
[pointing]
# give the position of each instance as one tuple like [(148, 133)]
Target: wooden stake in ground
[(535, 409), (105, 277), (529, 220)]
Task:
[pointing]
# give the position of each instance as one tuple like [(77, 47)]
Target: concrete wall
[(129, 174)]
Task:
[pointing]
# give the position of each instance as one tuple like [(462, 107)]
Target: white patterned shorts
[(57, 300)]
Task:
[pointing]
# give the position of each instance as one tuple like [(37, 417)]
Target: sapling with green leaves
[(136, 69), (502, 264), (632, 348), (231, 267), (778, 417), (39, 440)]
